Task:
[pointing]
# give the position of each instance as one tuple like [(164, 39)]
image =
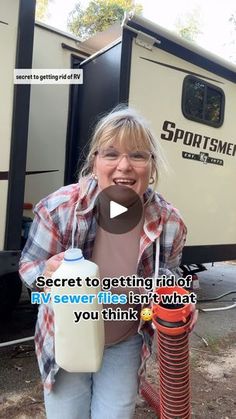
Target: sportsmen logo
[(202, 157)]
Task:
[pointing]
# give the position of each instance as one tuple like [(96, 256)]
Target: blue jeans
[(109, 393)]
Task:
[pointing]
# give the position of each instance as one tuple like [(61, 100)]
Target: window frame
[(215, 124)]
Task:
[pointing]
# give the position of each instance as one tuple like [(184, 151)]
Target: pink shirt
[(117, 255)]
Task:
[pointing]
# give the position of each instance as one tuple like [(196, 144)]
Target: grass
[(214, 343)]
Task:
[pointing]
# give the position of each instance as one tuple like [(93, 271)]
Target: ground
[(213, 372), (212, 360)]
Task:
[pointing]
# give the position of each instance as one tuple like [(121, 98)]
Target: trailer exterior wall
[(200, 190)]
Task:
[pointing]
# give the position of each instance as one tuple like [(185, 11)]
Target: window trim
[(215, 124)]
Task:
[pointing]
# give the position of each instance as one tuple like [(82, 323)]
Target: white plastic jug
[(78, 346)]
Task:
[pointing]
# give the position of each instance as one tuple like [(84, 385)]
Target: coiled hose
[(173, 323)]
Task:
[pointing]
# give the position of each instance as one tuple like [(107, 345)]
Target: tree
[(41, 9), (188, 27), (99, 15)]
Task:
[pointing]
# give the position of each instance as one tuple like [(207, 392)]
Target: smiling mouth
[(125, 182)]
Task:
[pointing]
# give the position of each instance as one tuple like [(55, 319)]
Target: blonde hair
[(125, 125)]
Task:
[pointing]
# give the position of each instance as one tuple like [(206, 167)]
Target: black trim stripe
[(38, 172), (71, 157), (19, 136), (125, 66), (182, 70), (209, 253), (4, 175), (4, 23)]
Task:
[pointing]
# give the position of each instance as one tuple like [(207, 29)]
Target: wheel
[(10, 292)]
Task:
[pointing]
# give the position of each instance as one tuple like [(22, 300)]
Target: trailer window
[(203, 102)]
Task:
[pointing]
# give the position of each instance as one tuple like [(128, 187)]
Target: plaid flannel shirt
[(51, 233)]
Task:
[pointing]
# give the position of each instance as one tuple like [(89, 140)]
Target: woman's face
[(121, 171)]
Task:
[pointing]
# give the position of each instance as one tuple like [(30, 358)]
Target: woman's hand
[(51, 266)]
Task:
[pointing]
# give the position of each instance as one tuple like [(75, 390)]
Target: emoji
[(146, 314)]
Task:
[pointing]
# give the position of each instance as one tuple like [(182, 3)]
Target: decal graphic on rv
[(202, 157), (172, 133)]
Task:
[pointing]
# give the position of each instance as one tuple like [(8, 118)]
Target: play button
[(118, 209)]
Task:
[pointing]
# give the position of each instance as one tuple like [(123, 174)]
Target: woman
[(123, 151)]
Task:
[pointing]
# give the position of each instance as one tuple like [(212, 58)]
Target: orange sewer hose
[(173, 323)]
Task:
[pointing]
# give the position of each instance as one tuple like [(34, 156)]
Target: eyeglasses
[(112, 157)]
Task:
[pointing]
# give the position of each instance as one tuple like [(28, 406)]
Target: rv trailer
[(16, 43), (188, 95)]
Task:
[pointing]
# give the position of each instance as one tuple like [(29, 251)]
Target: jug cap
[(72, 255)]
